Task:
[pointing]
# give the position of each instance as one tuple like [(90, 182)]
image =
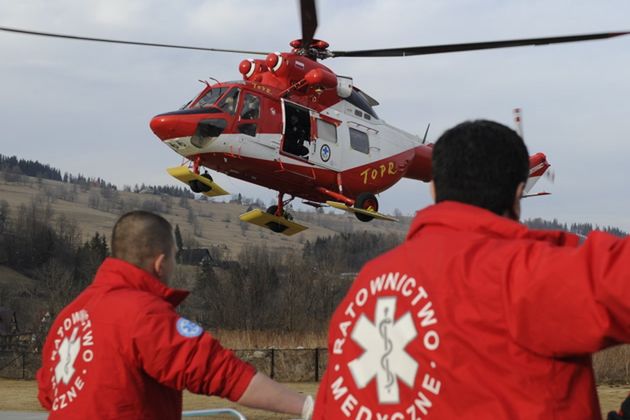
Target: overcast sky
[(85, 107)]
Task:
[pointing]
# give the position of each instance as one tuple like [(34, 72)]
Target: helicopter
[(291, 124)]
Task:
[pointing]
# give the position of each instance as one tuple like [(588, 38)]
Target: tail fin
[(538, 165)]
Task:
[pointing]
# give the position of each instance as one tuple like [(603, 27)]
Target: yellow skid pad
[(185, 175), (269, 221), (370, 213)]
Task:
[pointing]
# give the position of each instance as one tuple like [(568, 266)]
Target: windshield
[(210, 97), (229, 101)]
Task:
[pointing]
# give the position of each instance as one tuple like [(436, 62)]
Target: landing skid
[(374, 214), (277, 224), (185, 175)]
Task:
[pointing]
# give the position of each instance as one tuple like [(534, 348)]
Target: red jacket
[(120, 351), (476, 316)]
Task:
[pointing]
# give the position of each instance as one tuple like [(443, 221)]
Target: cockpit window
[(229, 101), (210, 97), (251, 107), (358, 100)]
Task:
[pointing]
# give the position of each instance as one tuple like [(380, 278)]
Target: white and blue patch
[(187, 328), (325, 153)]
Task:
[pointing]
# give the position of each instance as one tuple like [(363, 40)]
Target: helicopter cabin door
[(310, 136), (325, 150), (296, 140)]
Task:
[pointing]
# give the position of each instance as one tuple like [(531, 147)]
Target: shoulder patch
[(187, 328)]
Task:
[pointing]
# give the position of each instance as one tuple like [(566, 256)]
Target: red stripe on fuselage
[(302, 180)]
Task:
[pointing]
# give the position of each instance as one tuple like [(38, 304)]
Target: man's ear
[(158, 265), (432, 190), (516, 206)]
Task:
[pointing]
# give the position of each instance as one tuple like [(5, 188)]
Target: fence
[(19, 361), (288, 365), (18, 358), (284, 365)]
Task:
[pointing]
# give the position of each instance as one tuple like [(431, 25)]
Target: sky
[(85, 107)]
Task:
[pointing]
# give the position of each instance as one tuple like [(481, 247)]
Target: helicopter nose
[(165, 126)]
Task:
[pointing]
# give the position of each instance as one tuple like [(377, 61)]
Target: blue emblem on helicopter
[(324, 153)]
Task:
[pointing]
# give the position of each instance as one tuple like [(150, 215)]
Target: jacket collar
[(115, 273), (464, 217)]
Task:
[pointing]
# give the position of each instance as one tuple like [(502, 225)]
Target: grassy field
[(22, 396)]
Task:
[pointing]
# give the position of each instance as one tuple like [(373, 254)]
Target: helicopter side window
[(359, 141), (251, 107), (229, 101), (326, 131), (209, 98), (249, 111)]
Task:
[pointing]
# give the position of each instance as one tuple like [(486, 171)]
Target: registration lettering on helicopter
[(262, 88), (379, 172)]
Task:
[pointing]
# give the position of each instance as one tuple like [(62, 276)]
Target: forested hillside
[(54, 235)]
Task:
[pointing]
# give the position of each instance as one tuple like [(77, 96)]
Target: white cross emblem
[(68, 351), (385, 357)]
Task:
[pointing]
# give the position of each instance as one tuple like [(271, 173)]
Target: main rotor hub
[(317, 49)]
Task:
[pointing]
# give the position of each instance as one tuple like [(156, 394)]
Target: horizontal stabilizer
[(185, 175), (370, 213), (275, 223), (536, 194)]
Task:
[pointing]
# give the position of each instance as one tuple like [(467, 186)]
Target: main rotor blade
[(309, 21), (117, 41), (439, 49)]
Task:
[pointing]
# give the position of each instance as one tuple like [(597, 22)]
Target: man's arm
[(268, 394), (179, 354), (563, 301), (188, 358), (44, 388)]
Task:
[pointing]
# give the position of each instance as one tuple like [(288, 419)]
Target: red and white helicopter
[(293, 125)]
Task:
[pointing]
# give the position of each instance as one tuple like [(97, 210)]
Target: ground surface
[(22, 396)]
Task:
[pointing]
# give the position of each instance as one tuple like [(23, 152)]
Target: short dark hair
[(140, 236), (480, 163)]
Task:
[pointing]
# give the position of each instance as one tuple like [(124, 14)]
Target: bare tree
[(5, 211), (56, 280)]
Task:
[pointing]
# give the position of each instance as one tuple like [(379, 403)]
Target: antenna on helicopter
[(424, 139), (518, 122), (549, 174)]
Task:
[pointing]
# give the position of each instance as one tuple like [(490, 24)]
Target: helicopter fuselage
[(294, 126), (286, 144)]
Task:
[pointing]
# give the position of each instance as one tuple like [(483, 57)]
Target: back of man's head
[(140, 236), (480, 163)]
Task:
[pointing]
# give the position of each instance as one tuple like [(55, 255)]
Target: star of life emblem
[(71, 357), (68, 352), (385, 357)]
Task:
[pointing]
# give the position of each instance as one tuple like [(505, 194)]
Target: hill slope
[(202, 223)]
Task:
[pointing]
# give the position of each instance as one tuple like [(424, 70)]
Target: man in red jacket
[(475, 315), (121, 351)]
